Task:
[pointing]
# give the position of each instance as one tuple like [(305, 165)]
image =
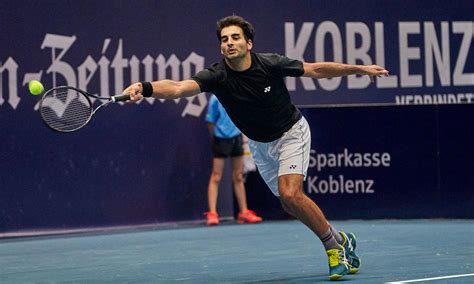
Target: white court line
[(433, 278)]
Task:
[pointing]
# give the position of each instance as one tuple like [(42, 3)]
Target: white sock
[(336, 234), (328, 240)]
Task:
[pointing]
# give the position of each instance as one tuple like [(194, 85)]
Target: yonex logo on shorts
[(292, 167), (267, 89)]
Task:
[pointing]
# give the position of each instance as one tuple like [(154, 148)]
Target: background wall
[(150, 162), (388, 162)]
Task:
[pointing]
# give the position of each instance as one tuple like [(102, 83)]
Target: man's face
[(233, 43)]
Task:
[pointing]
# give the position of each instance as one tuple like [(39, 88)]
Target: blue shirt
[(216, 114)]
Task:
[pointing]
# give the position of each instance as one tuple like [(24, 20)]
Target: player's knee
[(290, 196)]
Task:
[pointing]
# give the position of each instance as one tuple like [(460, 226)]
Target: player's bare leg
[(295, 202)]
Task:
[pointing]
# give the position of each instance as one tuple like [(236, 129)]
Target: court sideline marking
[(433, 278)]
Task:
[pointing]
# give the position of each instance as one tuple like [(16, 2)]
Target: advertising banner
[(150, 162)]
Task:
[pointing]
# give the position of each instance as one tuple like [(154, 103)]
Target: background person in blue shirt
[(227, 142)]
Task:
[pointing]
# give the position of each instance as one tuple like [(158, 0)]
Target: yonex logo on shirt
[(267, 89)]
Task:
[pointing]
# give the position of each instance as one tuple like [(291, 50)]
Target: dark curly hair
[(247, 27)]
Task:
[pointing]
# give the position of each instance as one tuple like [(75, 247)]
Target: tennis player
[(251, 87)]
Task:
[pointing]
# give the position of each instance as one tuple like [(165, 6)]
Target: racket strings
[(66, 110)]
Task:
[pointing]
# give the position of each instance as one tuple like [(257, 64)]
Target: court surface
[(270, 252)]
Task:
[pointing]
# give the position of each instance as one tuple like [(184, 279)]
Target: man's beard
[(235, 56)]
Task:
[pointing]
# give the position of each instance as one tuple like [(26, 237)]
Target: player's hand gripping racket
[(67, 109)]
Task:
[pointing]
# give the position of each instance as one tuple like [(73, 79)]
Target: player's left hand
[(374, 71)]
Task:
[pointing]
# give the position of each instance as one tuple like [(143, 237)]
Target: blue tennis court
[(270, 252)]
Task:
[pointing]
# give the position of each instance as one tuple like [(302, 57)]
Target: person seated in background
[(227, 142)]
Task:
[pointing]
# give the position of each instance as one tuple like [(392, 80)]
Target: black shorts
[(228, 147)]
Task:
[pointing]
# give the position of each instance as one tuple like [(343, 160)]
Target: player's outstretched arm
[(322, 70), (164, 89)]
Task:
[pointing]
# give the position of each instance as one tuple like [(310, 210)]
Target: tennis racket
[(67, 109)]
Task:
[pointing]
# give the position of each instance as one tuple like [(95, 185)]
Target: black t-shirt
[(256, 99)]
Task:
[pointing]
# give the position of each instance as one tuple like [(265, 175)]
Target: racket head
[(65, 109)]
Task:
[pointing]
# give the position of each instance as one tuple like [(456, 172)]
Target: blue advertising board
[(150, 162), (386, 162), (367, 162)]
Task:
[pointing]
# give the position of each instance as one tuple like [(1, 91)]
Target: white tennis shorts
[(286, 155)]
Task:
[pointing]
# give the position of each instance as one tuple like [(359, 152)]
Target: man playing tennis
[(251, 88)]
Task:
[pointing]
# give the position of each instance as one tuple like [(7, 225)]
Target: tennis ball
[(35, 87)]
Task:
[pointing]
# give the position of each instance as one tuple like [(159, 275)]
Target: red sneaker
[(212, 218), (248, 217)]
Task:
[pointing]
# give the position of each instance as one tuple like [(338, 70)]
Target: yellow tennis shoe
[(338, 265)]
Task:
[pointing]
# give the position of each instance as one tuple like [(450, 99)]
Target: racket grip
[(120, 98)]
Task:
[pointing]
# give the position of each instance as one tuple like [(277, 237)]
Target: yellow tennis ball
[(35, 87)]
